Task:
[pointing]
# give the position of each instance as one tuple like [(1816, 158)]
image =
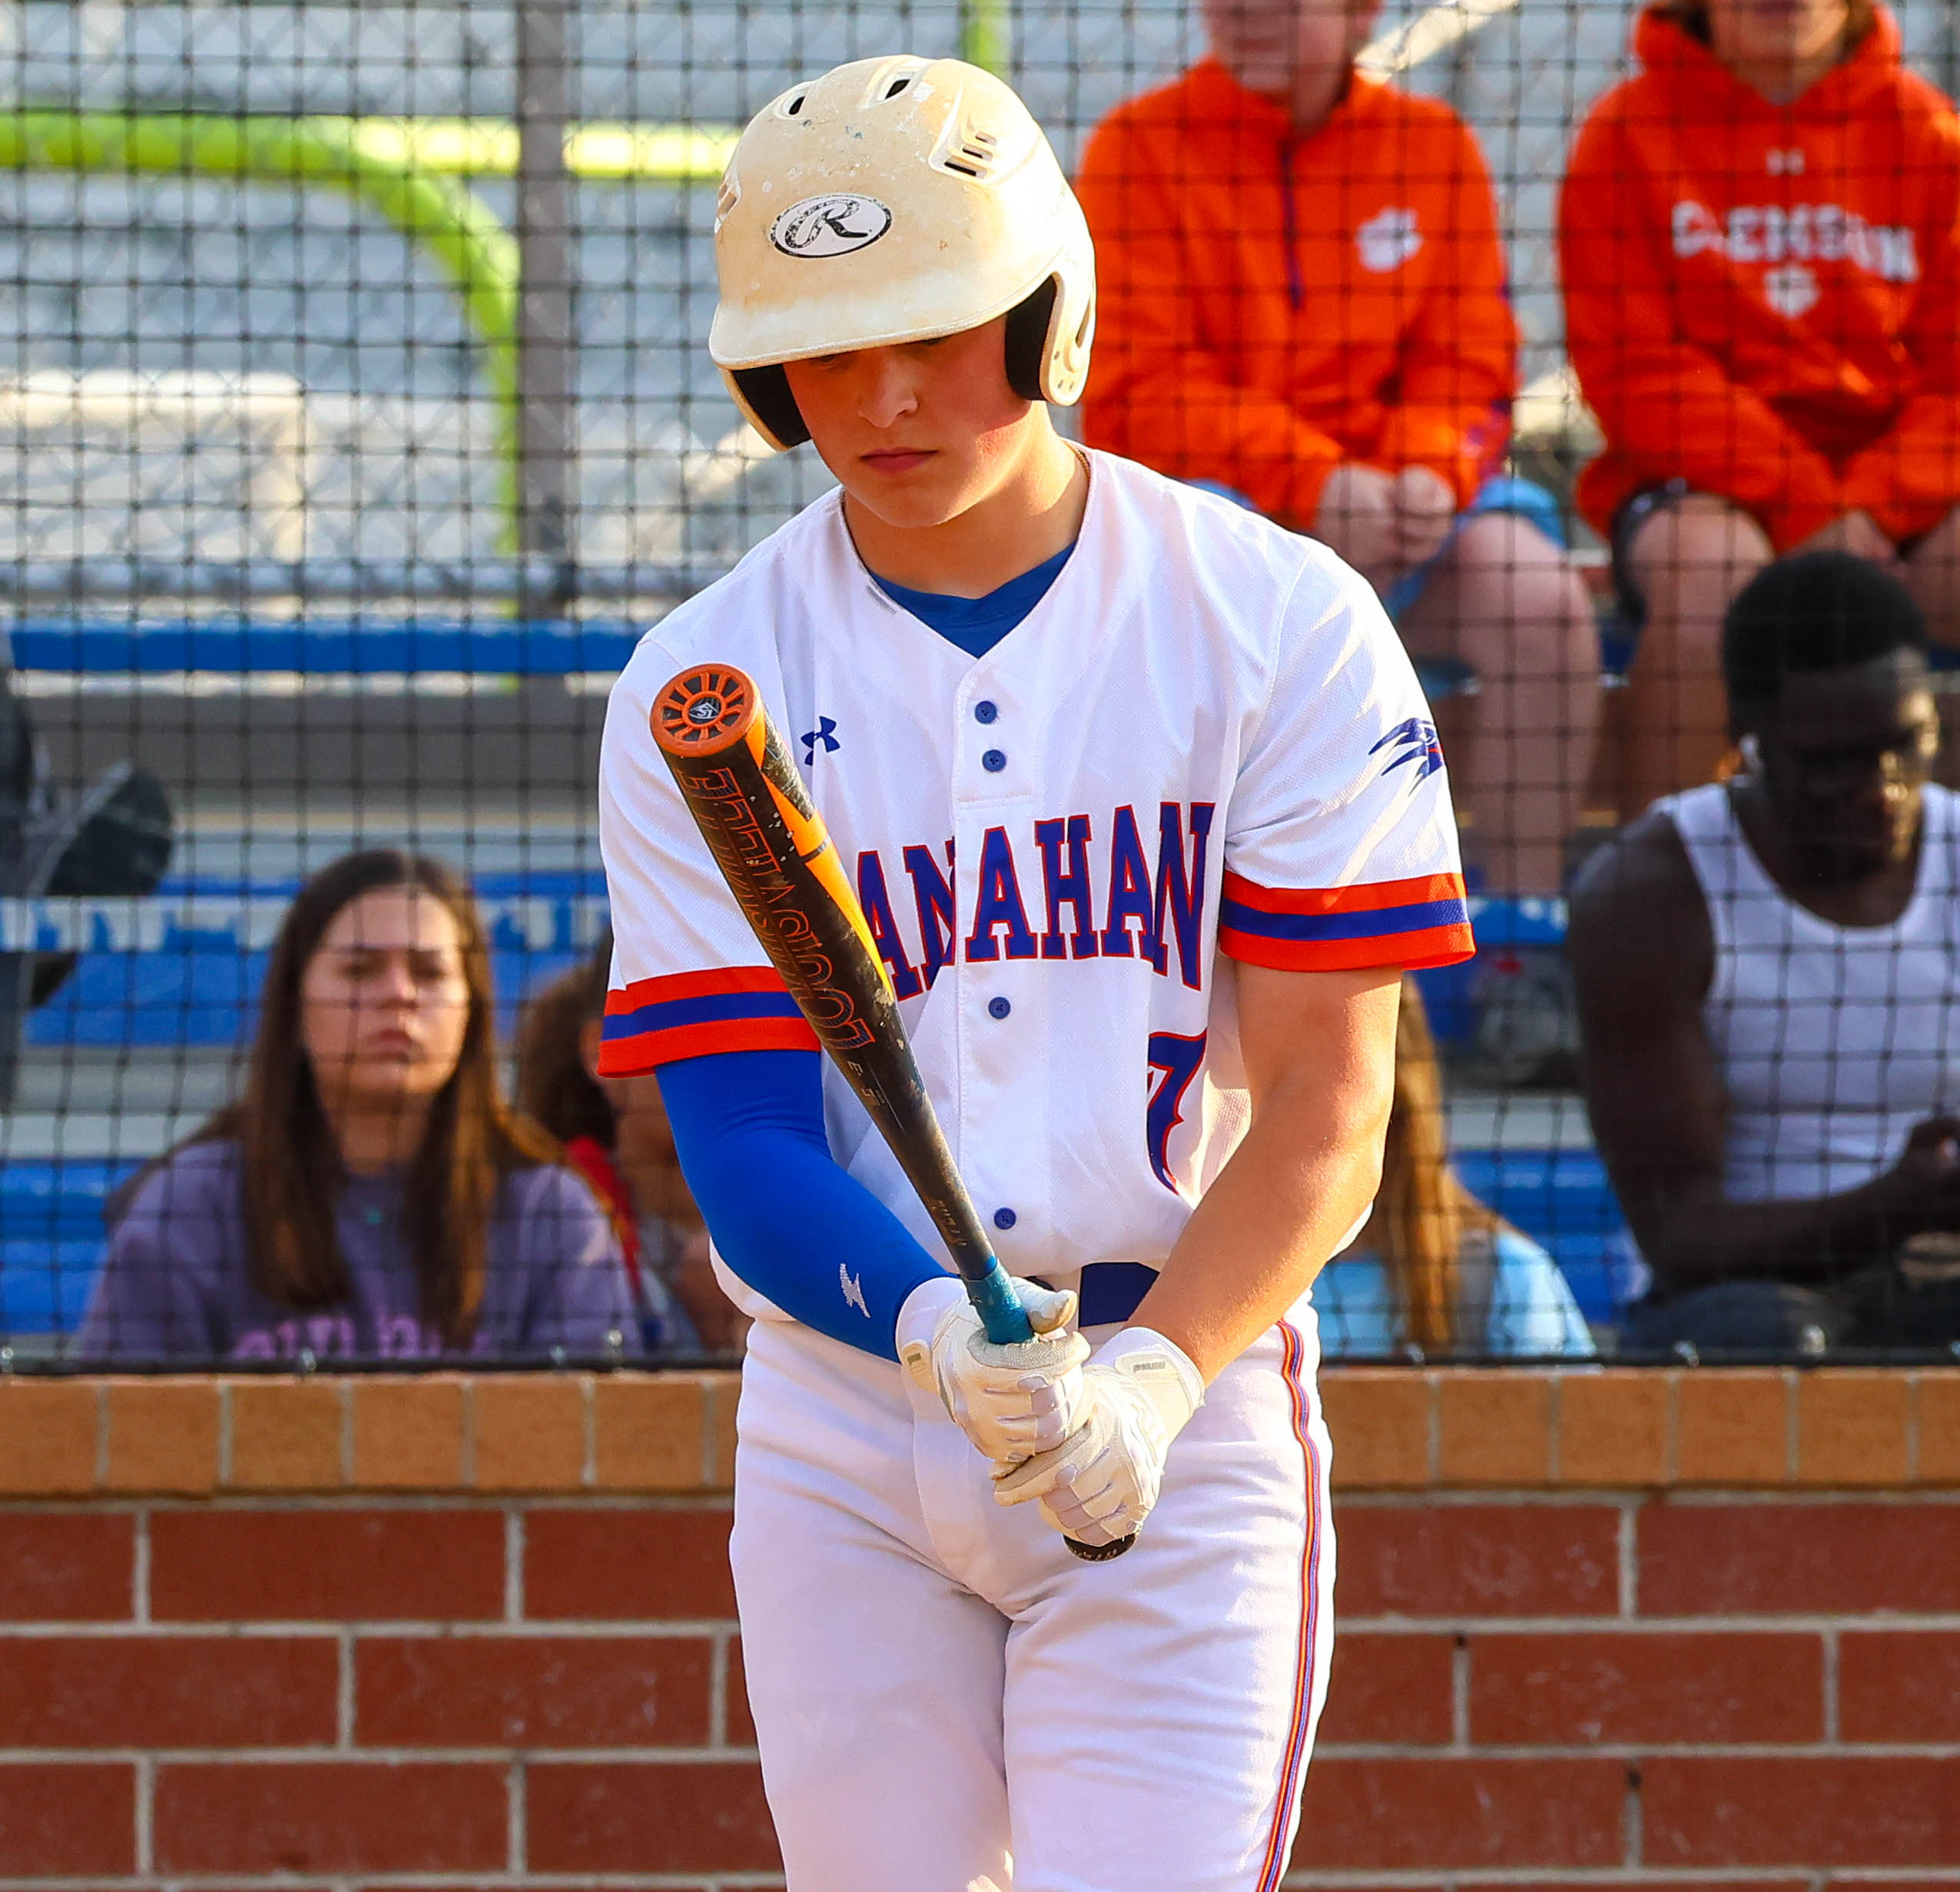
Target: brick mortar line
[(101, 1436), (1833, 1667), (386, 1754), (466, 1444), (1604, 1876), (717, 1492), (145, 1815), (225, 1466), (711, 1397), (199, 1495), (345, 1706), (659, 1628), (1875, 1622), (140, 1563), (456, 1499), (1633, 1817), (1425, 1497), (460, 1498), (1627, 1751), (1896, 1496), (718, 1668), (516, 1809), (347, 1400), (1620, 1753), (544, 1882)]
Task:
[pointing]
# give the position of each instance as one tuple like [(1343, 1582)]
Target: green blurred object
[(406, 169), (448, 220), (986, 35)]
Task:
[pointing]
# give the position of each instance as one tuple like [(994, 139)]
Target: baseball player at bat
[(1147, 816)]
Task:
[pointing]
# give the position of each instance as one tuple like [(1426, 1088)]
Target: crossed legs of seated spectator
[(1770, 1318), (1881, 1307), (1506, 601), (1687, 559)]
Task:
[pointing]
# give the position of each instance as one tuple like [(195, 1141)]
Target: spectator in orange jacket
[(1763, 303), (1303, 301)]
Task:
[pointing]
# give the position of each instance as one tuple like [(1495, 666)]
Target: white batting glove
[(1101, 1482), (1011, 1401)]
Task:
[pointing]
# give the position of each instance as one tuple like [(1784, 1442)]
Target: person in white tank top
[(1768, 980)]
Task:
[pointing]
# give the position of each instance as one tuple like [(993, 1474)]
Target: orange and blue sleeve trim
[(655, 1021), (1412, 923)]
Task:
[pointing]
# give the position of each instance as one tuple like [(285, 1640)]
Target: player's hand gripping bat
[(770, 842)]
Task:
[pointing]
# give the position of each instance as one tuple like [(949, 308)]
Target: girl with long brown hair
[(371, 1194), (1436, 1272)]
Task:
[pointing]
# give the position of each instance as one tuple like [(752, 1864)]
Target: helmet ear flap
[(1027, 341), (770, 404)]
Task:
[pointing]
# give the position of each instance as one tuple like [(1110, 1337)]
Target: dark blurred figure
[(615, 1130), (372, 1195), (1768, 978), (113, 839)]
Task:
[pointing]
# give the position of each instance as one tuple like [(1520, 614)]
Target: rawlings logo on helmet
[(830, 225)]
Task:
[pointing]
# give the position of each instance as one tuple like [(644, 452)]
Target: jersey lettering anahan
[(1204, 745)]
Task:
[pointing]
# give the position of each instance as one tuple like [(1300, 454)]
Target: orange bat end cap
[(704, 710)]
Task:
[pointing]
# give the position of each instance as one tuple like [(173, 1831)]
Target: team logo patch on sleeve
[(1413, 742)]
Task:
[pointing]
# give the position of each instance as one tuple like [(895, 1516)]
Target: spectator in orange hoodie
[(1763, 303), (1303, 301)]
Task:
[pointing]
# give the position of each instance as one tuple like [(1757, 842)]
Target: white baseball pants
[(946, 1700)]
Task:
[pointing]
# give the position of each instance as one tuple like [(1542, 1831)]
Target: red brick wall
[(1593, 1629)]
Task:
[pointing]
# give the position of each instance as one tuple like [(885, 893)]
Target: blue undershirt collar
[(976, 625)]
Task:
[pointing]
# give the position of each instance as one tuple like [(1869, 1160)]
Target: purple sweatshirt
[(176, 1286)]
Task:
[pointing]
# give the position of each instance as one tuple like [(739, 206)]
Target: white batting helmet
[(892, 200)]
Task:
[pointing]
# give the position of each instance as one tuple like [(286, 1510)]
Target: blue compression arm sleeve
[(748, 1127)]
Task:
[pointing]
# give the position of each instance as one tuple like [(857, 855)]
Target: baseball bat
[(770, 842)]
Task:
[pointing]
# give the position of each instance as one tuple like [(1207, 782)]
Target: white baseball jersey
[(1204, 744)]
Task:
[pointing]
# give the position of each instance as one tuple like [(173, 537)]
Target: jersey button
[(985, 712), (1004, 1218), (998, 1007), (994, 762)]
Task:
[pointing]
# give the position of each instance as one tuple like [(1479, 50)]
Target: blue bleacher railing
[(340, 646)]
